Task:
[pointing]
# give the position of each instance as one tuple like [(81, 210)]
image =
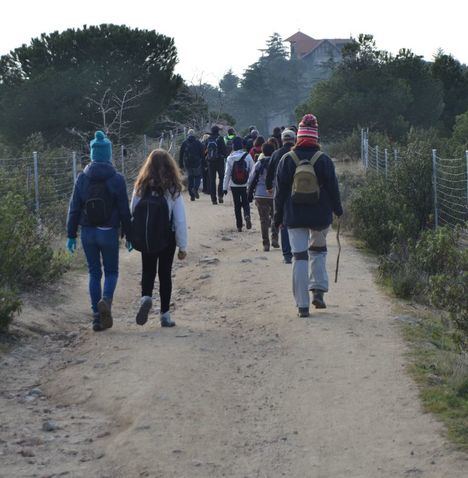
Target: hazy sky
[(212, 37)]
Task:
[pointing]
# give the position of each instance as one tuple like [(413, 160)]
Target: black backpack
[(99, 205), (212, 149), (239, 173), (191, 155), (151, 226)]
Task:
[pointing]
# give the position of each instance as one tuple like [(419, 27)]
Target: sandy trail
[(241, 388)]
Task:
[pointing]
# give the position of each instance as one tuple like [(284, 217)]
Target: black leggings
[(162, 262)]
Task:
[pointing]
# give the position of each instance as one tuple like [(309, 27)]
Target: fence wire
[(449, 181)]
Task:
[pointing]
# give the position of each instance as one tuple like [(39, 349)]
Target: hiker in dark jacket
[(250, 138), (288, 139), (215, 148), (308, 224), (100, 182), (277, 135), (191, 156)]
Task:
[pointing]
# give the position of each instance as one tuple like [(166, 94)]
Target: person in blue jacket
[(308, 224), (99, 205)]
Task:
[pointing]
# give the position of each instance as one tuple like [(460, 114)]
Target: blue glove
[(129, 246), (71, 245)]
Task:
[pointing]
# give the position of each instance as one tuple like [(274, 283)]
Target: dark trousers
[(239, 196), (206, 179), (216, 168), (193, 184), (265, 211), (285, 244), (162, 264)]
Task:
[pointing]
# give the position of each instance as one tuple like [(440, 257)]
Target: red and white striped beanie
[(308, 127)]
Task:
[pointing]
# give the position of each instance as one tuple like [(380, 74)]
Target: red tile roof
[(304, 44)]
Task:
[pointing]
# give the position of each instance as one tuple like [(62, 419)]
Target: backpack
[(191, 155), (151, 226), (99, 205), (264, 162), (305, 187), (212, 149), (240, 173)]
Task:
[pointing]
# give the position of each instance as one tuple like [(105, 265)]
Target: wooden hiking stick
[(339, 250)]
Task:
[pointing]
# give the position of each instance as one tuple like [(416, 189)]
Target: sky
[(212, 37)]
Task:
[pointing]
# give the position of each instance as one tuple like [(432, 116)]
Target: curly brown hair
[(159, 173)]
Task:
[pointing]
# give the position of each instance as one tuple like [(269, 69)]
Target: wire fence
[(449, 180), (46, 180)]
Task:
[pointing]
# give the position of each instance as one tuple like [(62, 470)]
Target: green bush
[(26, 256), (9, 304)]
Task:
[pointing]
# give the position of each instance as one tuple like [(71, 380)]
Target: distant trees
[(389, 93), (107, 76)]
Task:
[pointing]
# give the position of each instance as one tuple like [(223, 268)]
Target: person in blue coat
[(99, 205), (308, 224)]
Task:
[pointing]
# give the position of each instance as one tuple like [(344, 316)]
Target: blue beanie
[(101, 148), (237, 143)]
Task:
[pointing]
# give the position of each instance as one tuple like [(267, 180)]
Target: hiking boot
[(97, 326), (303, 312), (105, 313), (166, 320), (275, 243), (287, 260), (318, 301), (220, 200), (215, 203), (192, 198), (266, 247), (248, 222), (197, 195), (239, 229), (146, 304)]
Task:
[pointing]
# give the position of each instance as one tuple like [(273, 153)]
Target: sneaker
[(192, 198), (97, 326), (239, 229), (220, 200), (287, 260), (215, 203), (266, 248), (105, 313), (303, 312), (248, 222), (166, 320), (145, 306), (317, 300), (275, 243), (197, 195)]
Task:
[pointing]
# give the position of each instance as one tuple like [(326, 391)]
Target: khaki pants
[(265, 211)]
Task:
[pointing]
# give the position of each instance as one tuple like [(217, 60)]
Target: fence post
[(434, 186), (36, 180), (122, 158), (377, 158), (386, 162), (74, 166)]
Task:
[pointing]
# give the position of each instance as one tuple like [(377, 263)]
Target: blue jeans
[(193, 184), (285, 244), (99, 243)]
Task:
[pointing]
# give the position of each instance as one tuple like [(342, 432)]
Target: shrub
[(9, 304)]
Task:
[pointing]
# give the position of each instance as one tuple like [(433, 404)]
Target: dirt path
[(241, 388)]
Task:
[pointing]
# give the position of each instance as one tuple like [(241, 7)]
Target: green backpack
[(305, 187)]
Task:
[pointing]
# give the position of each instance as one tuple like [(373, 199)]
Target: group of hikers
[(291, 180)]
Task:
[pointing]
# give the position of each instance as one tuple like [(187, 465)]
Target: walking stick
[(339, 250)]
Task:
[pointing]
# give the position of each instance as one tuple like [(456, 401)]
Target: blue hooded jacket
[(115, 182)]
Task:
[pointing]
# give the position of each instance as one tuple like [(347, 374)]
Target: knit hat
[(308, 127), (101, 148), (215, 129), (288, 135), (237, 143), (191, 132)]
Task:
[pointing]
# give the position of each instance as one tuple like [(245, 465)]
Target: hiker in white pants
[(307, 196), (309, 250)]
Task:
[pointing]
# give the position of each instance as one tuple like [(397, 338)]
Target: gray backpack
[(305, 187)]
